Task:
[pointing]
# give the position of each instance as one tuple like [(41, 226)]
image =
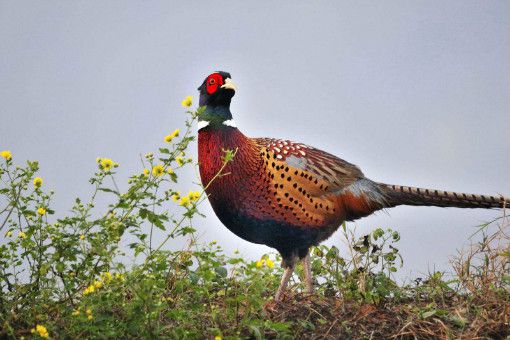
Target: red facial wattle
[(214, 81)]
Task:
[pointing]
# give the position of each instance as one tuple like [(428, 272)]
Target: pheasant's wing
[(304, 183), (336, 173)]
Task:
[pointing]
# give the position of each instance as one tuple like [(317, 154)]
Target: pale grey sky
[(415, 93)]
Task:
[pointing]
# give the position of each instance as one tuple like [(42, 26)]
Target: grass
[(66, 277)]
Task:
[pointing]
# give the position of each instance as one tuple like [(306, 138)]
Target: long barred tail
[(404, 195)]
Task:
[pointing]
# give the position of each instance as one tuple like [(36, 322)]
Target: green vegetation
[(67, 278)]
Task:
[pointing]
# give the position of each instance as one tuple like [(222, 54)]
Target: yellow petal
[(187, 102), (6, 154)]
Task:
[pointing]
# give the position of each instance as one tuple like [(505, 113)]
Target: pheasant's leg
[(283, 283), (307, 266)]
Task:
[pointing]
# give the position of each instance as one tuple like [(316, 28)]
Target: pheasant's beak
[(229, 84)]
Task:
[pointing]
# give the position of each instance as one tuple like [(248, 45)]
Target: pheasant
[(288, 195)]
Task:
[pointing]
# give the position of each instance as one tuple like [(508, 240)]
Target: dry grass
[(485, 265), (458, 317), (478, 307)]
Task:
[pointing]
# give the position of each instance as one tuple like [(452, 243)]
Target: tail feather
[(404, 195)]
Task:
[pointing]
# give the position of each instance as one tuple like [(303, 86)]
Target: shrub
[(67, 276)]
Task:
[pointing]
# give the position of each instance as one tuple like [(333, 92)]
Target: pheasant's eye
[(213, 82)]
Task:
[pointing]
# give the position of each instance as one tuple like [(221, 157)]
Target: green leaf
[(428, 314), (256, 332), (123, 205), (458, 321), (153, 218), (221, 271), (187, 230), (143, 213), (278, 326), (60, 267), (108, 190)]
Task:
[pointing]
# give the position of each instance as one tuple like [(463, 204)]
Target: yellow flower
[(179, 160), (187, 102), (6, 154), (89, 290), (38, 182), (176, 196), (146, 172), (158, 170), (194, 195), (106, 163), (8, 234), (89, 314), (106, 276), (217, 337), (264, 261), (22, 235), (82, 237), (41, 330), (184, 201), (41, 211), (171, 136), (119, 276), (98, 284), (76, 313), (170, 171)]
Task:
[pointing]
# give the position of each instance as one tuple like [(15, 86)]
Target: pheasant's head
[(217, 89), (216, 92)]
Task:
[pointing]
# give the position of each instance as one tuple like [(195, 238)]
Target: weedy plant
[(366, 274), (66, 276)]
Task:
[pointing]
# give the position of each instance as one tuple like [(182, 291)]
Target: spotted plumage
[(288, 195)]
